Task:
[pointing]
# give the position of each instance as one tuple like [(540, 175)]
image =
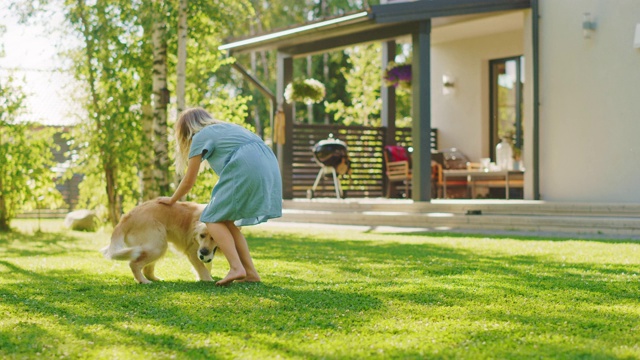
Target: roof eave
[(388, 19), (426, 9), (268, 40)]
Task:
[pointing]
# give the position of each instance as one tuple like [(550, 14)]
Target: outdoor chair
[(397, 168)]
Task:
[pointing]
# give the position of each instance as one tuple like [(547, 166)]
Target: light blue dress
[(249, 190)]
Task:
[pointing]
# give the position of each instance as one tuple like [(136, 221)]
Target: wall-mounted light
[(588, 25), (636, 38), (448, 82)]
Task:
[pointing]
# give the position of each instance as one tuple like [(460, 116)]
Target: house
[(68, 187), (560, 77)]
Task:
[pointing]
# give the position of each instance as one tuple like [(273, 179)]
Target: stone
[(81, 220)]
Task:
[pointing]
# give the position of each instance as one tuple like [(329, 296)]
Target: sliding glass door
[(507, 78)]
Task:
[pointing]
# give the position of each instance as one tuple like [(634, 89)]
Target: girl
[(249, 189)]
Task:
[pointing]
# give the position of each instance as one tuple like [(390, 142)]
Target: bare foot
[(251, 277), (231, 277)]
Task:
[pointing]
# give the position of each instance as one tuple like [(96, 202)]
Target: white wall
[(462, 118), (590, 102)]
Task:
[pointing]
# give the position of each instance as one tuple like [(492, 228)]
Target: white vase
[(504, 155)]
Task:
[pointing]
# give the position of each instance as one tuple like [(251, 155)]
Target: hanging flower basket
[(308, 91), (398, 75)]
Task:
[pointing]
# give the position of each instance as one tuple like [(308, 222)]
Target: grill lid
[(331, 152)]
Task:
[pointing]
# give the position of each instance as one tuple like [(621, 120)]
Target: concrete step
[(604, 220), (494, 207)]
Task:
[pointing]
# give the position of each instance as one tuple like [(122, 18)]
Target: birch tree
[(181, 72), (160, 99), (146, 159)]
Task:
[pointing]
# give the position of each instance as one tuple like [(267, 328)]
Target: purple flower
[(398, 75)]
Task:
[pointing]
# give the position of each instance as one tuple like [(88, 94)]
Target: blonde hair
[(189, 123)]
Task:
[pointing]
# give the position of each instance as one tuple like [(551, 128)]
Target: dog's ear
[(199, 229)]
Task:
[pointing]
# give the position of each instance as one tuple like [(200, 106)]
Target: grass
[(331, 295)]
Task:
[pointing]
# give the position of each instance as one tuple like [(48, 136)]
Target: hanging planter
[(398, 75), (308, 91)]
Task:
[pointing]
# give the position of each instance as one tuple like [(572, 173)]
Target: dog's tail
[(117, 249)]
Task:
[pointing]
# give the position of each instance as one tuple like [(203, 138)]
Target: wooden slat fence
[(365, 145)]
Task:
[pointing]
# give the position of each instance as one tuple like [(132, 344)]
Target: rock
[(82, 220)]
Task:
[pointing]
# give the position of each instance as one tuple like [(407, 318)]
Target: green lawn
[(331, 295)]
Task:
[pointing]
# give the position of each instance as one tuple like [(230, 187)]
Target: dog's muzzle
[(205, 255)]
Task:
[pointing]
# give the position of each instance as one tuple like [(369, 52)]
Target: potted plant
[(308, 91), (398, 75)]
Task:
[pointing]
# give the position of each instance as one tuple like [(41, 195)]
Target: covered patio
[(416, 23)]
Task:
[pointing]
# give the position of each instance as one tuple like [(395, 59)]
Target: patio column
[(284, 152), (388, 95), (421, 112)]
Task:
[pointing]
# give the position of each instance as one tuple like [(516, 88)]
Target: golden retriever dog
[(142, 237)]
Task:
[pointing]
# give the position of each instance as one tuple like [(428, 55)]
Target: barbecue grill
[(331, 154)]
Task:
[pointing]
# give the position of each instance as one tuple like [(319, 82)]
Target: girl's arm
[(187, 182)]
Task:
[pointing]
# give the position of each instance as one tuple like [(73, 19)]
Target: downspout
[(535, 9)]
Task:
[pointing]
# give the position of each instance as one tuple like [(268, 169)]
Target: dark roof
[(379, 23), (427, 9)]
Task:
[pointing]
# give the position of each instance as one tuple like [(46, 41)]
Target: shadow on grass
[(99, 309), (432, 261), (81, 302), (37, 244), (519, 236)]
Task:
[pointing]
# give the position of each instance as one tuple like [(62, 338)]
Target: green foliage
[(335, 81), (118, 85), (208, 72), (330, 294), (363, 85), (307, 91), (278, 14), (115, 63), (26, 175), (108, 139)]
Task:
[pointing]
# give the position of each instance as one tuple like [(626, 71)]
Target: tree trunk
[(181, 69), (254, 67), (4, 216), (149, 190), (324, 7), (111, 172), (182, 56), (309, 74), (325, 73), (148, 185), (160, 102), (263, 53)]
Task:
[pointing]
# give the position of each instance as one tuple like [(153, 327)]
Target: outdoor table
[(475, 176)]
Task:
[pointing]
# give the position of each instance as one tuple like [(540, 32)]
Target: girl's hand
[(165, 200)]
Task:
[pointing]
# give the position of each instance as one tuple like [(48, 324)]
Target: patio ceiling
[(380, 23)]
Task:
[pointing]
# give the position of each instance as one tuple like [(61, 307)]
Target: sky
[(30, 53)]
